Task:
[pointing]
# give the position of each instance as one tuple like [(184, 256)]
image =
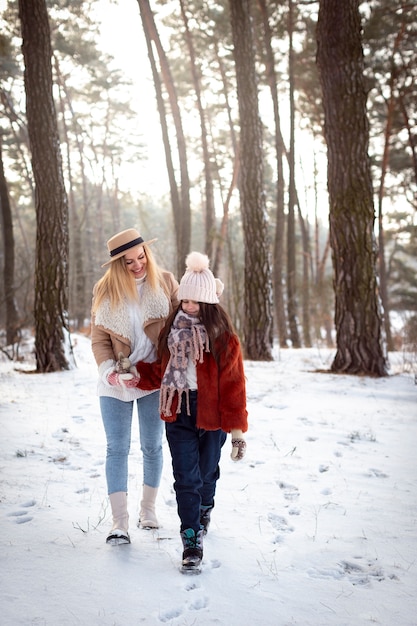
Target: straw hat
[(123, 241)]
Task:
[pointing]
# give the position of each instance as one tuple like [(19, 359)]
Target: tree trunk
[(357, 314), (258, 319), (391, 110), (278, 250), (223, 237), (51, 271), (182, 220), (305, 296), (210, 219), (292, 304), (12, 315), (77, 263)]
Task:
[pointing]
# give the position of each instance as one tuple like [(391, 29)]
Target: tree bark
[(278, 249), (391, 110), (258, 318), (12, 314), (182, 219), (51, 271), (357, 307), (210, 217), (292, 304)]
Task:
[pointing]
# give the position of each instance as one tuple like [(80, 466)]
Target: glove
[(128, 380), (238, 445)]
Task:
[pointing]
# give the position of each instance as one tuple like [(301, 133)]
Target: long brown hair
[(216, 322)]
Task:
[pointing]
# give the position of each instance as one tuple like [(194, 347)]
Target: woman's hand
[(127, 380)]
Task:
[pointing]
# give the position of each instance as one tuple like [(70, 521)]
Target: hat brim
[(117, 256)]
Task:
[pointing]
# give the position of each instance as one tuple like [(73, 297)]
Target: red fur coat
[(221, 388)]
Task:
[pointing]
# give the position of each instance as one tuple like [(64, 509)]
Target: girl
[(130, 305), (203, 397)]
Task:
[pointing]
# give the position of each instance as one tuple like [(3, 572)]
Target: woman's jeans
[(117, 420), (195, 462)]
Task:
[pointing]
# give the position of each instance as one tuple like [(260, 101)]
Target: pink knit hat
[(198, 282)]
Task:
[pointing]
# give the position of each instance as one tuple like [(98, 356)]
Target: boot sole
[(117, 540), (191, 571)]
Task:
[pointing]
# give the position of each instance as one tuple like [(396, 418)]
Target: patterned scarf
[(187, 340)]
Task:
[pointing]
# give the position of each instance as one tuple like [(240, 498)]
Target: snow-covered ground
[(317, 526)]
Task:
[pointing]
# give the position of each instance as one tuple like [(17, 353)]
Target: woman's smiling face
[(136, 261)]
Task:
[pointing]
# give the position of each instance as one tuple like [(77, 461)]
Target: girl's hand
[(238, 445)]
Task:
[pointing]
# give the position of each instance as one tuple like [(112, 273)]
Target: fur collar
[(152, 305)]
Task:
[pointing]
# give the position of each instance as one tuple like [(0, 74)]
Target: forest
[(288, 142)]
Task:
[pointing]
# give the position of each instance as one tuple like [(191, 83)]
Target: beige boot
[(119, 532), (147, 516)]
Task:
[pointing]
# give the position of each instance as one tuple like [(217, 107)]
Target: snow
[(315, 527)]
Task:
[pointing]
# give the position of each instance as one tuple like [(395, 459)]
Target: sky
[(316, 526), (122, 37)]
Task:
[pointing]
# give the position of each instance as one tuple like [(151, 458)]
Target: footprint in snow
[(23, 520), (191, 586), (280, 524), (198, 604), (294, 511), (376, 472), (169, 615), (357, 574), (290, 491), (22, 517)]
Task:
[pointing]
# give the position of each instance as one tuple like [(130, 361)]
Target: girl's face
[(191, 307), (136, 261)]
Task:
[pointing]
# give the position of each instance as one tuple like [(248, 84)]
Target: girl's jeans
[(117, 420), (195, 462)]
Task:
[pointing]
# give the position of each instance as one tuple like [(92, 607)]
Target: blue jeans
[(195, 462), (117, 420)]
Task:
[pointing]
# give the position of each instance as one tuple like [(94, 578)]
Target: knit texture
[(187, 340), (198, 282), (127, 321)]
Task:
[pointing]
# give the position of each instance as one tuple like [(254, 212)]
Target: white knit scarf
[(187, 339)]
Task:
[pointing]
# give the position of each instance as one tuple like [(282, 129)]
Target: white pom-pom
[(197, 262)]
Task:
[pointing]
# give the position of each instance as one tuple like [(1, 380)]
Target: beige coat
[(110, 330)]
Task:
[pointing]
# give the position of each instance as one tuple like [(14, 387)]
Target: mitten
[(238, 445), (128, 380)]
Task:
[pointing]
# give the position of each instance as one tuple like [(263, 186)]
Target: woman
[(203, 397), (130, 305)]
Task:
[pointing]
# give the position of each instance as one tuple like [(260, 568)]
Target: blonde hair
[(119, 284)]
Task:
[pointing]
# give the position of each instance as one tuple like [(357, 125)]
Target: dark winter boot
[(205, 513), (193, 550)]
